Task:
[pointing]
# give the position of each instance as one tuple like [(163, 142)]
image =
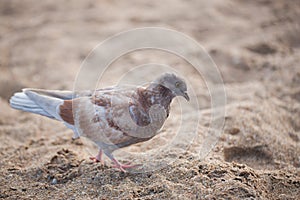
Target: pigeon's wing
[(92, 116), (75, 103), (87, 114), (80, 114), (107, 115)]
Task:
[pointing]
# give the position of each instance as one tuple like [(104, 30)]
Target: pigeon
[(112, 118)]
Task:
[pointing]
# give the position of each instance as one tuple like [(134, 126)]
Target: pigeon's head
[(174, 83)]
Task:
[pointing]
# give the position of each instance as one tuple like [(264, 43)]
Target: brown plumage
[(112, 118), (66, 112)]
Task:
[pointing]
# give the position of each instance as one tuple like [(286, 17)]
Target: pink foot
[(123, 167), (98, 158)]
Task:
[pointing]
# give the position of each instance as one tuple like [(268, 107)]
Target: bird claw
[(98, 158), (95, 159), (123, 167), (116, 164)]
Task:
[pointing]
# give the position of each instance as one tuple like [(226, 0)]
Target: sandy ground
[(256, 45)]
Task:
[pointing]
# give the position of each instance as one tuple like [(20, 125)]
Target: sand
[(256, 46)]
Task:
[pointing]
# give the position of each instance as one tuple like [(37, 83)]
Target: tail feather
[(60, 94), (47, 103), (21, 101), (42, 102)]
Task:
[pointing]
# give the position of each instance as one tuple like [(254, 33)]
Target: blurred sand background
[(256, 45)]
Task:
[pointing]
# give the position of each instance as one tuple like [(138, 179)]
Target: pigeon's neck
[(156, 94)]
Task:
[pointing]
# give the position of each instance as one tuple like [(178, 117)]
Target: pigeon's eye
[(177, 84)]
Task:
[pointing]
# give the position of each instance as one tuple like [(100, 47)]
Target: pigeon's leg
[(98, 157), (121, 167)]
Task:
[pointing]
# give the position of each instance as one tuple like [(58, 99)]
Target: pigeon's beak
[(186, 96)]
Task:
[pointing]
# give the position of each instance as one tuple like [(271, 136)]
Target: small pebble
[(54, 181), (234, 131)]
